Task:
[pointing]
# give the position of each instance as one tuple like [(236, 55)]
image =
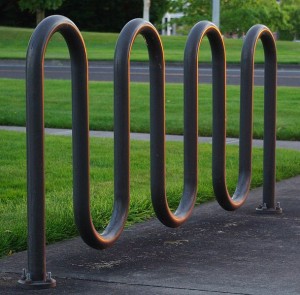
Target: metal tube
[(157, 125), (36, 276), (195, 37), (270, 97), (247, 75)]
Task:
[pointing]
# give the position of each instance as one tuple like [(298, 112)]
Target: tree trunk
[(40, 15)]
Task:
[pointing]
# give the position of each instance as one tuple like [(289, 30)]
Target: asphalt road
[(103, 71)]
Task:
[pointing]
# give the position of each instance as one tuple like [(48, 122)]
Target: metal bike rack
[(205, 28), (157, 124), (36, 275)]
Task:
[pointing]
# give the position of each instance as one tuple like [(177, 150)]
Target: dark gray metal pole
[(36, 276), (270, 97)]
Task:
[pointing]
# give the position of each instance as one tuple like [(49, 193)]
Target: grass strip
[(60, 224), (101, 46), (58, 107)]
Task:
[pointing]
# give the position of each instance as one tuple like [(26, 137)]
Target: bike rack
[(36, 276), (157, 123), (257, 32)]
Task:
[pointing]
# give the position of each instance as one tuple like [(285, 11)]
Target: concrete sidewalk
[(144, 136), (215, 252)]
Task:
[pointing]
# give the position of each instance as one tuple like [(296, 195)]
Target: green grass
[(100, 46), (60, 224), (58, 107)]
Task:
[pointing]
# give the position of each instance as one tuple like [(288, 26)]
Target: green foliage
[(39, 7), (91, 15), (34, 5), (237, 16), (109, 16), (157, 10), (194, 11), (101, 15), (291, 9)]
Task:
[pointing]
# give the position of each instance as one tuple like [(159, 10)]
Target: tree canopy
[(291, 9), (237, 16), (95, 15), (39, 6)]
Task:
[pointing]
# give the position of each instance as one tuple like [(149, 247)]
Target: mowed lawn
[(100, 46), (58, 107), (60, 224)]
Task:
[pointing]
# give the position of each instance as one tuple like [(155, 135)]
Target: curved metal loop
[(35, 145), (195, 37), (205, 28), (157, 124), (270, 99), (201, 29), (80, 122), (35, 129), (246, 125), (35, 126)]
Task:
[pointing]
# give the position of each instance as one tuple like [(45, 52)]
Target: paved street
[(103, 71)]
